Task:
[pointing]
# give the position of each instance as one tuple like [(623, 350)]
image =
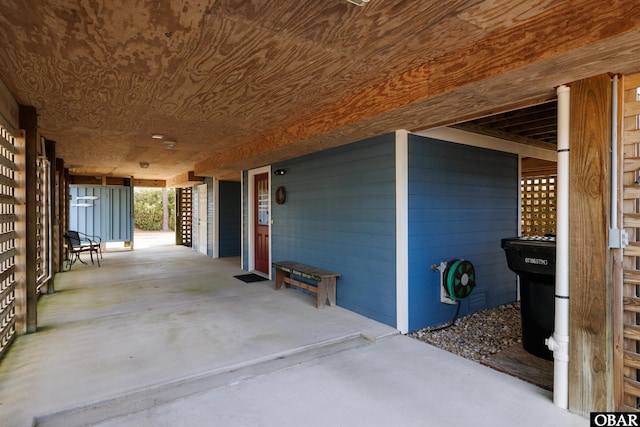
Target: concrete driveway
[(165, 336)]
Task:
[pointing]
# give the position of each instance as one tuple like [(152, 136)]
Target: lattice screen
[(631, 217), (43, 223), (7, 241), (538, 205), (184, 213)]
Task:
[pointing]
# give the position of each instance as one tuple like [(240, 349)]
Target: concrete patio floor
[(164, 336)]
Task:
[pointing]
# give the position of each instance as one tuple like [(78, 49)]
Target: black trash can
[(533, 258)]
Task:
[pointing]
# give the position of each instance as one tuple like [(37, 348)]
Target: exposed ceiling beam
[(508, 136), (187, 179), (150, 183), (537, 44)]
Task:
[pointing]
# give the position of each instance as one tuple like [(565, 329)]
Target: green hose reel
[(459, 279)]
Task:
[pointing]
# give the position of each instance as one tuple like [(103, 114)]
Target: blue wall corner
[(340, 214), (462, 201)]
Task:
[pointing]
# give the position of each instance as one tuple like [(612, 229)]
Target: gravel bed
[(477, 335)]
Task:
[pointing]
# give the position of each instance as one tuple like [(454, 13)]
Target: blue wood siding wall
[(340, 215), (229, 222), (462, 201), (110, 217)]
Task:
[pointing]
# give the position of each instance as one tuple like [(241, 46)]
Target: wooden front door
[(261, 222)]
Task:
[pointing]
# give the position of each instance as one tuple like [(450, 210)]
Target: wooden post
[(178, 214), (64, 207), (26, 180), (591, 326), (165, 209), (59, 215), (50, 147)]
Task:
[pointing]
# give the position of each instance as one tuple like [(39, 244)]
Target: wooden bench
[(325, 288)]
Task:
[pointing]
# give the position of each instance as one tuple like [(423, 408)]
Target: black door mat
[(250, 278)]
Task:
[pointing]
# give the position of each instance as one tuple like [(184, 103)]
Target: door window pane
[(263, 202)]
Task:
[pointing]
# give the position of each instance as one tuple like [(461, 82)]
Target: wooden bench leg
[(280, 275), (326, 291), (331, 291), (322, 293)]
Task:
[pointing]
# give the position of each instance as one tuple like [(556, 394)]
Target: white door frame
[(251, 254)]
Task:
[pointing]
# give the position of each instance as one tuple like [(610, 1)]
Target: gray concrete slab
[(162, 331), (395, 382)]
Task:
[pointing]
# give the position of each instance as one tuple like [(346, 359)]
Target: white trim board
[(490, 142), (402, 231)]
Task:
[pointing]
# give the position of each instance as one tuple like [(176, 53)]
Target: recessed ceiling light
[(169, 144), (144, 165), (156, 136), (359, 2)]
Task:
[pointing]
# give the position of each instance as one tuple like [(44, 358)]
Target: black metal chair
[(77, 243)]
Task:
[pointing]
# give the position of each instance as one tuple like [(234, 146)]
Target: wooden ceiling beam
[(530, 120), (496, 133), (547, 130), (532, 126), (99, 180), (531, 167), (149, 183), (569, 26), (520, 115), (187, 179)]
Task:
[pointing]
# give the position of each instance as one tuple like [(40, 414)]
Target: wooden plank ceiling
[(243, 83)]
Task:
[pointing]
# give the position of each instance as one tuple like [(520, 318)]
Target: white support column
[(402, 231)]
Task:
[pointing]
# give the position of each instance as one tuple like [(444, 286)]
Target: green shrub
[(147, 209)]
